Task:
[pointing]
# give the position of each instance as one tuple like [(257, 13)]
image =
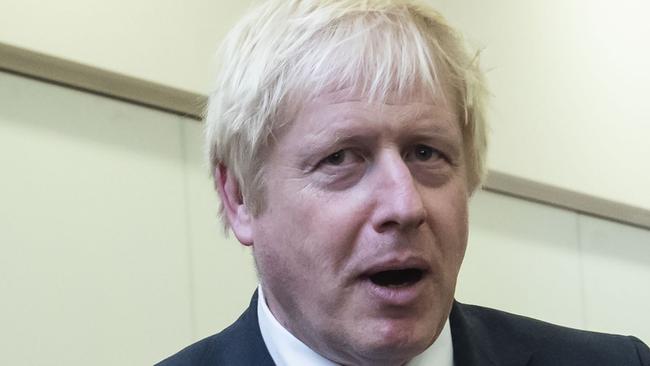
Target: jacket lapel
[(246, 346), (478, 342)]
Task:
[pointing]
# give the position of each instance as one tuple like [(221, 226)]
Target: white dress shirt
[(287, 350)]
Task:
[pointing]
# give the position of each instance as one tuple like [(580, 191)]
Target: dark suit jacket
[(480, 337)]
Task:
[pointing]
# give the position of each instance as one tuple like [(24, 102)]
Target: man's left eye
[(424, 153), (336, 158)]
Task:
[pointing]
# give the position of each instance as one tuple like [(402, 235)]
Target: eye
[(342, 161), (423, 153), (335, 159)]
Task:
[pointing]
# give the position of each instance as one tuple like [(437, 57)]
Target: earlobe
[(234, 208)]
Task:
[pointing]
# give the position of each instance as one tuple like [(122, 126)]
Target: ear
[(233, 205)]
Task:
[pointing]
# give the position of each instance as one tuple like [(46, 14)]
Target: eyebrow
[(346, 134)]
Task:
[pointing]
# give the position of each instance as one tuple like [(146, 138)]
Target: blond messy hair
[(285, 52)]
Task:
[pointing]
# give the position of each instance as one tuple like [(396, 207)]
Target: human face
[(365, 225)]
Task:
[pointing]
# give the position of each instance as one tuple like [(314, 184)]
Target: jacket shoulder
[(199, 353), (551, 344), (239, 344)]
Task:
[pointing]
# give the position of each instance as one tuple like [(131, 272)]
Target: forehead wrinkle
[(444, 123), (344, 134), (341, 115), (415, 94), (425, 119), (333, 120)]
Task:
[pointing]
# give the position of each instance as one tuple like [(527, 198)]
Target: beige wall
[(569, 77), (570, 81), (112, 253), (90, 224), (169, 42), (557, 265)]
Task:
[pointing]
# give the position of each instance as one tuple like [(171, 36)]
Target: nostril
[(400, 224), (401, 218)]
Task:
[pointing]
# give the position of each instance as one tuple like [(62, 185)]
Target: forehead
[(348, 112)]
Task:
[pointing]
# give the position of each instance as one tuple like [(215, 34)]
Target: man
[(346, 138)]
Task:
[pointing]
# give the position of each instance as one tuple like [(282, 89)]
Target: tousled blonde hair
[(286, 52)]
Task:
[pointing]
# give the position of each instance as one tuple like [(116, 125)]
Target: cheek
[(458, 207), (329, 222), (460, 228), (448, 217), (298, 234)]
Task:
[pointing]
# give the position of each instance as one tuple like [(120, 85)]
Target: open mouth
[(397, 278)]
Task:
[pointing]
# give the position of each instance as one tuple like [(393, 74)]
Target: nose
[(398, 201)]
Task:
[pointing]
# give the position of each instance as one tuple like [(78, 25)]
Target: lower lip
[(397, 296)]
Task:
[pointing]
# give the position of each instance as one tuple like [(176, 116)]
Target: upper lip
[(396, 263)]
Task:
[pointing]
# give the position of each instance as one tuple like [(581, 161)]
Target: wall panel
[(617, 277), (523, 257), (569, 94), (93, 269)]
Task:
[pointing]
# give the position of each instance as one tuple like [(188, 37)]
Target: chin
[(398, 340)]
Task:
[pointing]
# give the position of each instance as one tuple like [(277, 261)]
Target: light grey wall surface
[(112, 252)]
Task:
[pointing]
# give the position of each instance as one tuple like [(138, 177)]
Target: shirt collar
[(287, 350)]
